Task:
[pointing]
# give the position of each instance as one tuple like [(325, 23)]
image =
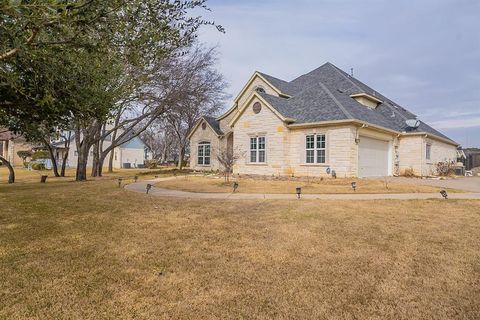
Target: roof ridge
[(330, 94), (269, 75), (341, 72), (361, 89)]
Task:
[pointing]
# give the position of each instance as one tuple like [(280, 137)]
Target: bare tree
[(206, 95), (159, 138), (227, 158)]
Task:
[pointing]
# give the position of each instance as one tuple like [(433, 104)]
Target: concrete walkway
[(155, 191)]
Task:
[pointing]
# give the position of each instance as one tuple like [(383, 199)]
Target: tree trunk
[(165, 154), (96, 155), (180, 158), (114, 136), (52, 157), (82, 164), (82, 159), (110, 161), (11, 172), (65, 155), (64, 162), (101, 160)]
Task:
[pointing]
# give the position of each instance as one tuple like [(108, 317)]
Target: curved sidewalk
[(155, 191)]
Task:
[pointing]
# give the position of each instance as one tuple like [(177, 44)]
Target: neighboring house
[(323, 121), (10, 144), (131, 154), (472, 158)]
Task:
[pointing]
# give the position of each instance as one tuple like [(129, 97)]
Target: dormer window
[(260, 89), (367, 100)]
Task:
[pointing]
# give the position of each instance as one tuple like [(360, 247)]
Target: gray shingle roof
[(284, 86), (324, 95), (214, 123)]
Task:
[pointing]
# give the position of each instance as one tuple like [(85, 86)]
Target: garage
[(372, 157)]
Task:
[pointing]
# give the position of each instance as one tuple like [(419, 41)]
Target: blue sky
[(425, 55)]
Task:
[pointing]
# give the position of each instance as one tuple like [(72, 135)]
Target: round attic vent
[(257, 107), (204, 126), (260, 89)]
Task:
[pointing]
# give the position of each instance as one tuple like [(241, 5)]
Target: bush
[(24, 154), (151, 164), (40, 155), (185, 163), (445, 168), (408, 172), (38, 166)]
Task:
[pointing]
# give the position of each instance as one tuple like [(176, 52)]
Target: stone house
[(10, 144), (321, 122)]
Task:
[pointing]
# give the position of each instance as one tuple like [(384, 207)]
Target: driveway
[(469, 184)]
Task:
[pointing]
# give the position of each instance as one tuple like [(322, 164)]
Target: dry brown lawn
[(94, 251), (258, 185)]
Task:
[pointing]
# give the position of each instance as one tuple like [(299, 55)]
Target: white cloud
[(457, 123)]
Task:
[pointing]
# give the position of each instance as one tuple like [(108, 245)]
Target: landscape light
[(354, 185), (149, 186), (299, 192), (120, 182), (235, 186), (444, 194), (135, 178)]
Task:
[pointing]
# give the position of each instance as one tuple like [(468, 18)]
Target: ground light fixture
[(235, 186), (149, 186), (120, 182), (444, 194), (298, 190), (135, 178), (354, 186)]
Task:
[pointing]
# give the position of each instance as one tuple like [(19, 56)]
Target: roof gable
[(260, 96), (211, 122)]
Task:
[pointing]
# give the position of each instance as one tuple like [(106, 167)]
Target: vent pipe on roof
[(351, 72)]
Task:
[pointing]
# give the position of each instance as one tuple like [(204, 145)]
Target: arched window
[(203, 154)]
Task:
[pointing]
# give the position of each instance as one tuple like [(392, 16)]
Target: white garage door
[(372, 157)]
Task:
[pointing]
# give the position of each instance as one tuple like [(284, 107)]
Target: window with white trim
[(315, 148), (203, 154), (428, 151), (257, 149)]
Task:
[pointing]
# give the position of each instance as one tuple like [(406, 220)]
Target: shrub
[(151, 164), (38, 166), (408, 172), (24, 154), (40, 155), (445, 168)]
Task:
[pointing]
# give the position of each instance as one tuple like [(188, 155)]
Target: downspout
[(357, 141), (357, 133)]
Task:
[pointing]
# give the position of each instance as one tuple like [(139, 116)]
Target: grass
[(92, 250), (250, 185), (25, 176)]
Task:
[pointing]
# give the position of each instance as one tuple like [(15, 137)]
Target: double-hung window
[(257, 149), (315, 148), (428, 151), (203, 154)]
